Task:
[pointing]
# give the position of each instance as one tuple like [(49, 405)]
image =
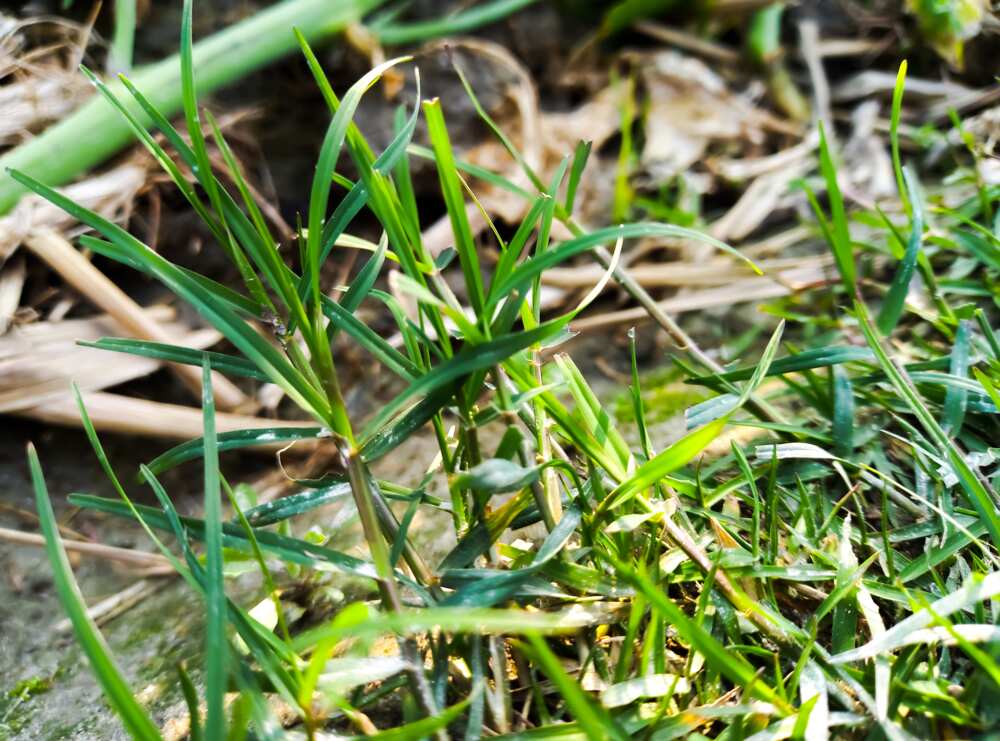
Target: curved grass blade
[(285, 548), (116, 689), (528, 270), (333, 141), (217, 312), (227, 364), (471, 358), (820, 357), (281, 509)]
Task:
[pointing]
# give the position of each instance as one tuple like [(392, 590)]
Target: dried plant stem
[(99, 550)]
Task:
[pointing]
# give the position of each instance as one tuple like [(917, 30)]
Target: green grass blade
[(524, 273), (595, 721), (326, 164), (892, 306), (956, 398), (820, 357), (217, 312), (451, 189), (134, 717), (216, 643), (897, 162), (235, 440), (467, 20), (840, 237), (974, 488), (227, 364), (471, 359)]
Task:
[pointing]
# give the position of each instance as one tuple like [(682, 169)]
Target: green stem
[(364, 499), (96, 131)]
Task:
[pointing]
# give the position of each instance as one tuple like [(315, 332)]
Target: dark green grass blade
[(840, 243), (216, 643), (275, 511), (365, 279), (236, 440), (892, 306), (285, 548), (227, 364), (524, 273), (116, 689), (820, 357), (956, 398), (217, 312), (386, 439)]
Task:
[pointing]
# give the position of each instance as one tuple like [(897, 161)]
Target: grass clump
[(839, 574)]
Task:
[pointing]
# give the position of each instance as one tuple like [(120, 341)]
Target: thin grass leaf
[(227, 364), (451, 190), (472, 358), (326, 163), (974, 488), (892, 306), (394, 34), (956, 398), (840, 237), (216, 642), (288, 549), (820, 357), (194, 449), (894, 116), (116, 689), (596, 722), (217, 312), (522, 275)]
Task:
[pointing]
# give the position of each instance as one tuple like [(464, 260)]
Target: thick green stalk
[(96, 131)]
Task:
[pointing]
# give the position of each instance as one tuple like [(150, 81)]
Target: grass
[(837, 573)]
